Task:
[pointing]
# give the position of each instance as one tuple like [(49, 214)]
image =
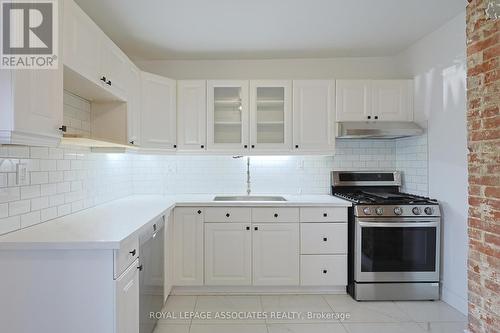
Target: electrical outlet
[(21, 174)]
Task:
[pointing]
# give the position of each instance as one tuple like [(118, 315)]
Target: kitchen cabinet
[(188, 246), (31, 103), (228, 254), (158, 113), (275, 254), (192, 115), (270, 115), (314, 116), (114, 68), (127, 300), (134, 106), (374, 100), (169, 253), (227, 115)]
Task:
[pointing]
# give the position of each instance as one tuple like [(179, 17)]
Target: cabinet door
[(188, 247), (192, 115), (114, 67), (82, 42), (169, 249), (353, 100), (158, 114), (228, 253), (276, 254), (391, 100), (270, 115), (227, 117), (313, 115), (127, 300), (134, 106)]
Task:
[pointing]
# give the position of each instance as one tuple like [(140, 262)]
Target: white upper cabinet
[(353, 101), (114, 68), (134, 84), (314, 115), (158, 113), (227, 117), (31, 103), (270, 115), (374, 100), (392, 100), (82, 42), (228, 254), (276, 254), (192, 115)]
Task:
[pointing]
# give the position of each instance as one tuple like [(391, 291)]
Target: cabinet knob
[(108, 83), (227, 214), (63, 128), (248, 228), (202, 146), (103, 79), (245, 146), (256, 228), (253, 146), (275, 214), (140, 268), (132, 252), (325, 214), (296, 146), (325, 239), (325, 271), (376, 117), (369, 117), (132, 142), (199, 212), (175, 146)]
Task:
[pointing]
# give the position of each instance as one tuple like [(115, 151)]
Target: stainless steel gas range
[(394, 238)]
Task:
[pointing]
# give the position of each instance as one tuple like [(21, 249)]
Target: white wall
[(338, 68), (438, 65)]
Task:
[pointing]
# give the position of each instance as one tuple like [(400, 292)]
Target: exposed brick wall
[(483, 85)]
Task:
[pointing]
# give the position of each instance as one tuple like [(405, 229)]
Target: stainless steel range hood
[(377, 130)]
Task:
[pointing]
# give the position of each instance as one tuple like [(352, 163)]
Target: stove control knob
[(379, 211), (367, 211), (416, 210), (398, 211), (429, 210)]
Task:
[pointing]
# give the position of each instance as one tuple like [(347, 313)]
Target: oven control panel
[(396, 211)]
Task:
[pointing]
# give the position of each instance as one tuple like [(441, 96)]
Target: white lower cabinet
[(188, 246), (323, 270), (127, 300), (323, 238), (228, 254), (275, 254)]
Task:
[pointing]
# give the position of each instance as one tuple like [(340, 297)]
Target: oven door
[(397, 249)]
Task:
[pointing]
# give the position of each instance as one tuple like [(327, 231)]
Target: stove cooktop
[(383, 198)]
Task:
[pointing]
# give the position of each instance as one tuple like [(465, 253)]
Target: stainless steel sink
[(249, 198)]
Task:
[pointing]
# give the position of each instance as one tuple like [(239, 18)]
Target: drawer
[(323, 214), (227, 214), (323, 270), (276, 214), (323, 238), (126, 255)]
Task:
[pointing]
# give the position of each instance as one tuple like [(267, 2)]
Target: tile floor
[(290, 314)]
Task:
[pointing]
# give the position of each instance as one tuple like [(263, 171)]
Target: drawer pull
[(325, 271), (325, 214), (132, 252), (199, 212), (256, 228), (325, 239), (275, 214), (227, 214), (248, 228)]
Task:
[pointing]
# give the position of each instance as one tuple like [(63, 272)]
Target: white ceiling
[(263, 29)]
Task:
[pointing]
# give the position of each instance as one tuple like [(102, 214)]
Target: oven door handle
[(398, 224)]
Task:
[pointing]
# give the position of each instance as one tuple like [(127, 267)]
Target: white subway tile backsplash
[(28, 192), (30, 219), (4, 210), (39, 152), (10, 224), (19, 207)]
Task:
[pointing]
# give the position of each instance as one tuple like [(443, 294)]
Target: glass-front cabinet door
[(270, 115), (227, 115)]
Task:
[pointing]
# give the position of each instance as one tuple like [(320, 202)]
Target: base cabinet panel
[(228, 254), (276, 254), (127, 300), (323, 270)]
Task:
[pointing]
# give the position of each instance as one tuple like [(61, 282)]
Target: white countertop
[(106, 225)]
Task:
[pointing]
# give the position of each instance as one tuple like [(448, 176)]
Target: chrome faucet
[(249, 184)]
